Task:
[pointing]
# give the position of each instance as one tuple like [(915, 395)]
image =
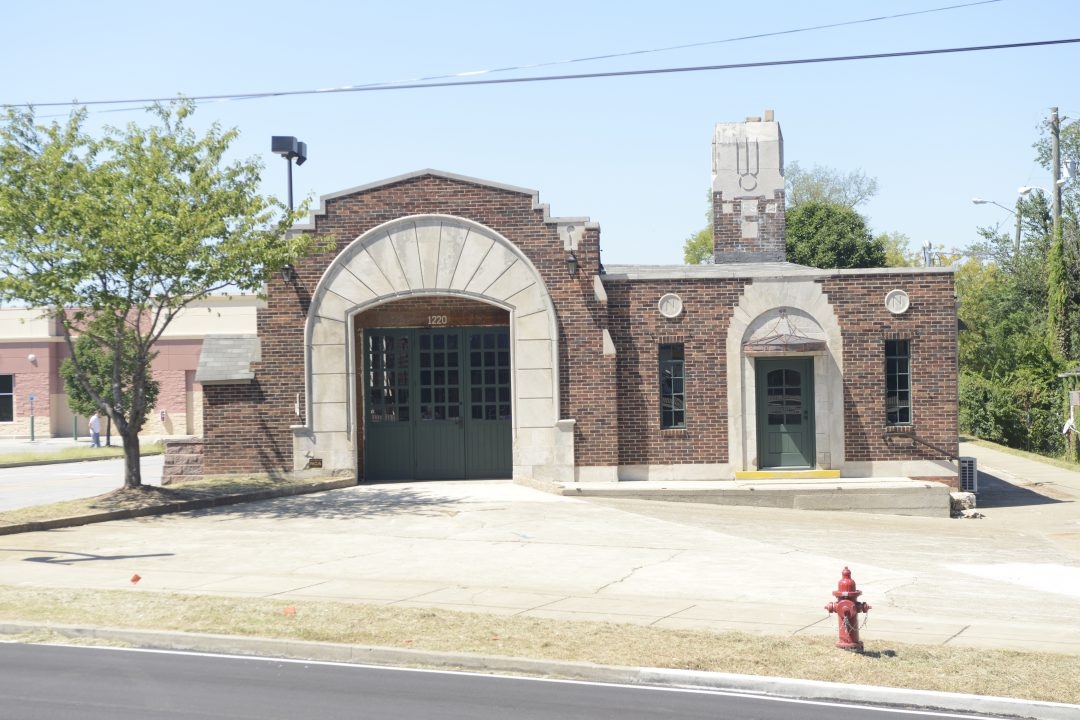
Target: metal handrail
[(911, 434)]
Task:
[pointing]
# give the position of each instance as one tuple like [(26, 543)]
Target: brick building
[(32, 348), (458, 330)]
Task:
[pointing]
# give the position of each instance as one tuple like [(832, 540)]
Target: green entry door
[(437, 404), (785, 412)]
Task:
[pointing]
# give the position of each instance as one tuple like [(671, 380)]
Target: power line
[(578, 76), (685, 46)]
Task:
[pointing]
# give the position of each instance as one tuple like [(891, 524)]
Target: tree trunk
[(132, 464)]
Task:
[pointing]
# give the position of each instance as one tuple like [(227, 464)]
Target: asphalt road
[(40, 484), (44, 682)]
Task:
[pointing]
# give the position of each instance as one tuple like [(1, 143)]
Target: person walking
[(95, 430)]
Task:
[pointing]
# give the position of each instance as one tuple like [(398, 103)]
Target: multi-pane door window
[(440, 376), (388, 377), (898, 382), (672, 388), (7, 398), (489, 363)]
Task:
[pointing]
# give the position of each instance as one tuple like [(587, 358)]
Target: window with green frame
[(898, 382), (672, 388)]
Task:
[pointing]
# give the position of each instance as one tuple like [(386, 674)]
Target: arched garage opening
[(434, 392), (431, 261)]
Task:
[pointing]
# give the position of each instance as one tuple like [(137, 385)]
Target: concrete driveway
[(1011, 579), (40, 484)]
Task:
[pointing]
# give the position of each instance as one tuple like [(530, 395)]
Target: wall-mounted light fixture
[(32, 359), (288, 274), (571, 263)]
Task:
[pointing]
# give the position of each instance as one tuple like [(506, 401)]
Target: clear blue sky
[(632, 153)]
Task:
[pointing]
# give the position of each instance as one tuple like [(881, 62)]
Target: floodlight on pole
[(289, 148)]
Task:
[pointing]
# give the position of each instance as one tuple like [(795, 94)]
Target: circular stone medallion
[(670, 305), (897, 302)]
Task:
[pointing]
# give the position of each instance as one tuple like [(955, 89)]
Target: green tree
[(898, 252), (1063, 253), (1063, 297), (828, 235), (114, 235), (1009, 390), (698, 248), (99, 368), (824, 184)]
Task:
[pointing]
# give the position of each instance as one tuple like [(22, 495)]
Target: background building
[(32, 348)]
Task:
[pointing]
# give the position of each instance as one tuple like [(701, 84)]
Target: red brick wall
[(930, 324), (728, 237), (247, 427), (638, 328)]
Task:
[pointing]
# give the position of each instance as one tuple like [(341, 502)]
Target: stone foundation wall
[(183, 461)]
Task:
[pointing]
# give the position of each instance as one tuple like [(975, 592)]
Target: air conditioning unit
[(969, 475)]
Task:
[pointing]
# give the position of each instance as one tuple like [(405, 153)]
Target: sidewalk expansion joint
[(955, 635), (672, 614), (296, 589)]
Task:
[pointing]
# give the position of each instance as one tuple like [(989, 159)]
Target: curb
[(66, 461), (181, 506), (588, 672)]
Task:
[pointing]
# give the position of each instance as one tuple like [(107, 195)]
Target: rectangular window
[(898, 382), (7, 398), (672, 390)]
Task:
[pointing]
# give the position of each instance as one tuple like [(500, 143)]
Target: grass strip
[(1004, 673), (67, 454), (1057, 462)]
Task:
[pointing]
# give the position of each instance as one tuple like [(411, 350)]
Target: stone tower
[(748, 191)]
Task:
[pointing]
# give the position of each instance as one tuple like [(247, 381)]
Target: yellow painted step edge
[(784, 474)]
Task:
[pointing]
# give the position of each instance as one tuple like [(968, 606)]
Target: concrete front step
[(894, 496)]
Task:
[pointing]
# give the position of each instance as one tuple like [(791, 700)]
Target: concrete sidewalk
[(1008, 580)]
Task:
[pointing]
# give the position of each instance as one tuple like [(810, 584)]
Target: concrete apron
[(500, 548), (895, 496)]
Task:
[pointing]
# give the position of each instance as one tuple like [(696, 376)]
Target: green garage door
[(437, 404)]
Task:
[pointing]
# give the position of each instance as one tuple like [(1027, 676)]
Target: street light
[(1015, 213)]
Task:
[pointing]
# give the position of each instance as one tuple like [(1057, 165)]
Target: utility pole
[(1016, 242), (1055, 165)]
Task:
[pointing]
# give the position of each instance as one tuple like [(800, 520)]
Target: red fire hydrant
[(847, 608)]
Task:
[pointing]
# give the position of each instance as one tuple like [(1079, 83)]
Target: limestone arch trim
[(759, 299), (429, 256)]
